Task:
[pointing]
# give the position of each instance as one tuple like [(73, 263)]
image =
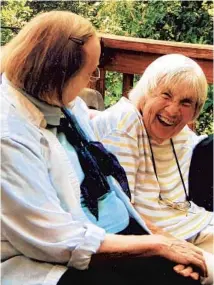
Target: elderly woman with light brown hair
[(66, 211)]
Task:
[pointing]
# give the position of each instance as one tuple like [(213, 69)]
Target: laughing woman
[(149, 135)]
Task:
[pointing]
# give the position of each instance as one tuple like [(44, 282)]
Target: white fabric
[(121, 129), (42, 218)]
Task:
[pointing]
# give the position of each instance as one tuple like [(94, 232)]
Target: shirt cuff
[(81, 255)]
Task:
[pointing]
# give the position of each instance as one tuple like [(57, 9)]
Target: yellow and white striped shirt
[(121, 129)]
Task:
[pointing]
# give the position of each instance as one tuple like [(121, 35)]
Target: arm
[(118, 139), (180, 268), (33, 220), (36, 225), (178, 251)]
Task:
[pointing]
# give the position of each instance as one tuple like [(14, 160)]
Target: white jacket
[(44, 229)]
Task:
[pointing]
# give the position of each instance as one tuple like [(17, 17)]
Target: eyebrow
[(188, 100), (168, 90), (184, 99)]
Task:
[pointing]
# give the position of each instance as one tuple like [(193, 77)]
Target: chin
[(161, 139)]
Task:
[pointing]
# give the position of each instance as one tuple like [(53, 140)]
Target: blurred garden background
[(178, 21)]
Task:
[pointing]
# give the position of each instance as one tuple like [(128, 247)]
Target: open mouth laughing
[(165, 121)]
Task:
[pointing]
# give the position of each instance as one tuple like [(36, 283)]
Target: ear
[(192, 125), (192, 121)]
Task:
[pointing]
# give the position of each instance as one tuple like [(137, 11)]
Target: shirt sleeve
[(122, 141), (193, 138), (33, 220)]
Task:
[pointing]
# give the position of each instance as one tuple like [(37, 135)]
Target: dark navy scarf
[(96, 162)]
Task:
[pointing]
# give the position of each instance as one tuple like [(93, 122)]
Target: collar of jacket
[(38, 112)]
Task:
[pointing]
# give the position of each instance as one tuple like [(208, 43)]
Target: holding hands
[(190, 258)]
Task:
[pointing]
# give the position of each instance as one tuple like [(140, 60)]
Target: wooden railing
[(131, 56)]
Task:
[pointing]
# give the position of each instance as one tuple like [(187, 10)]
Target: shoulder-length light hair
[(170, 70), (43, 57)]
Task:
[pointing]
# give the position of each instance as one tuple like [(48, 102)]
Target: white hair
[(169, 70)]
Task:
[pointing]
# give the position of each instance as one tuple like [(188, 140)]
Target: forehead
[(181, 89)]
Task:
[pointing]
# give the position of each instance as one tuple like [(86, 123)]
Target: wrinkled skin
[(167, 110)]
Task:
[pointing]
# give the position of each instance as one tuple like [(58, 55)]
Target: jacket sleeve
[(122, 141), (33, 220)]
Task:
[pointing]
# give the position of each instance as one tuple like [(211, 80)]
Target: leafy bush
[(112, 95), (13, 14), (204, 124)]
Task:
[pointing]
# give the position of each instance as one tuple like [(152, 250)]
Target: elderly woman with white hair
[(149, 135)]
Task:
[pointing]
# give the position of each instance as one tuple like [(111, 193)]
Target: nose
[(172, 109)]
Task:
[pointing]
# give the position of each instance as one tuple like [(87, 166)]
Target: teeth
[(165, 120)]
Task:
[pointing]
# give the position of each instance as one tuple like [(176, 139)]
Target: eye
[(187, 103), (166, 95)]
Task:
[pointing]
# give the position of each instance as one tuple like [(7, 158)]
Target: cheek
[(187, 114), (151, 110), (149, 116)]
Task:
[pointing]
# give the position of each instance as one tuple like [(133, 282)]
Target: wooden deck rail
[(131, 56)]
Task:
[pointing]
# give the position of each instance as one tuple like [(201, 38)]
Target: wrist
[(159, 244)]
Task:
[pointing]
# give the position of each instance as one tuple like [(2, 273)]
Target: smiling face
[(167, 110)]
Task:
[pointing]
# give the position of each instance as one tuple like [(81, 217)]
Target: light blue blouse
[(113, 214)]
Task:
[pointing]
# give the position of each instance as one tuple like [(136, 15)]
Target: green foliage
[(13, 14), (45, 6), (113, 88), (183, 21), (204, 124)]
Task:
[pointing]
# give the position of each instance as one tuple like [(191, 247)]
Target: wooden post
[(100, 86), (128, 80)]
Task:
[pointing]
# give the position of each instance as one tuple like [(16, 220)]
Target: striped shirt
[(121, 129)]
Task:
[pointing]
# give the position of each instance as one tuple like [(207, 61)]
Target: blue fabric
[(96, 162), (113, 215)]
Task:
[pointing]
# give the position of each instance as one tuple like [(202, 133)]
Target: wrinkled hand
[(183, 270), (189, 258)]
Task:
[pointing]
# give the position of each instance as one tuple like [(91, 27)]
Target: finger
[(200, 264), (194, 275), (186, 271), (201, 258), (179, 267), (193, 258)]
